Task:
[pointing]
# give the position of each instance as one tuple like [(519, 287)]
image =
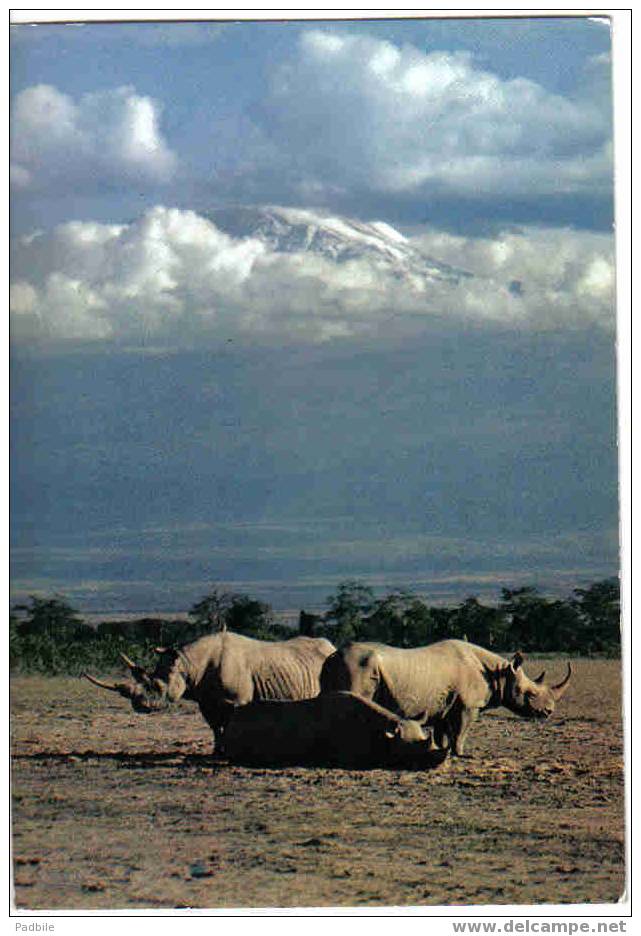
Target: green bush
[(51, 639), (588, 623)]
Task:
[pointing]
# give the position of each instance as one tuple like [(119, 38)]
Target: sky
[(191, 407)]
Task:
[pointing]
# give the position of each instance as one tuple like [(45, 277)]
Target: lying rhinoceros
[(225, 670), (336, 729), (444, 685)]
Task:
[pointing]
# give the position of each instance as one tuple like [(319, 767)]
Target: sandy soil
[(117, 810)]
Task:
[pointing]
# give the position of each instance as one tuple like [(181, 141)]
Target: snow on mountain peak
[(335, 238)]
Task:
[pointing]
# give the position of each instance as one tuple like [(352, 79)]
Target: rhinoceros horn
[(128, 690), (128, 662), (140, 675), (539, 679), (558, 690)]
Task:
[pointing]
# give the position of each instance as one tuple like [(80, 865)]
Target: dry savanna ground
[(117, 810)]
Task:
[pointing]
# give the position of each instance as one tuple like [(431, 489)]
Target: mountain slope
[(339, 239)]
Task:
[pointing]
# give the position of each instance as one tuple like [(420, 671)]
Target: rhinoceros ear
[(517, 660)]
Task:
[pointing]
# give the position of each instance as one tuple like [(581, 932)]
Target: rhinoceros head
[(140, 699), (411, 744), (529, 698), (168, 681), (151, 692), (169, 678), (409, 732)]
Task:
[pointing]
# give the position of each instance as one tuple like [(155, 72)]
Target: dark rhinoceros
[(335, 729), (445, 685), (225, 670)]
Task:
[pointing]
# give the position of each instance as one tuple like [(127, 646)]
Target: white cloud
[(546, 277), (19, 176), (104, 136), (23, 298), (174, 278), (357, 111)]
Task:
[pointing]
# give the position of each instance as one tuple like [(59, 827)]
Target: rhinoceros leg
[(459, 721), (217, 716), (215, 719), (441, 738)]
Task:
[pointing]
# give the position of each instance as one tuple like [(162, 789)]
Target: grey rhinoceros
[(445, 685), (335, 729), (225, 670)]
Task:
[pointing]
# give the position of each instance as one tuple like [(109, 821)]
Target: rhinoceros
[(445, 685), (225, 670), (335, 729)]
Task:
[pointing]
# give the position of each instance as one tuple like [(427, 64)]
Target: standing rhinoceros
[(334, 729), (445, 685), (224, 670)]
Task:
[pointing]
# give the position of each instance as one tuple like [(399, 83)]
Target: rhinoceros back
[(420, 682), (288, 669), (333, 728)]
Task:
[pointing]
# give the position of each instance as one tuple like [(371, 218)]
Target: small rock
[(93, 886)]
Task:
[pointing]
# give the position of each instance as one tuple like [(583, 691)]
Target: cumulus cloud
[(546, 277), (361, 112), (173, 278), (106, 136)]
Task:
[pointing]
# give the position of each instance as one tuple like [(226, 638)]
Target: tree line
[(47, 635)]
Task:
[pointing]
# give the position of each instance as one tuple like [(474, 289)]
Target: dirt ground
[(117, 810)]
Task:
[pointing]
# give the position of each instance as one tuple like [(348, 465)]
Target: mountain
[(339, 239)]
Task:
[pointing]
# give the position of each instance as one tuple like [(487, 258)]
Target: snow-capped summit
[(336, 238)]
